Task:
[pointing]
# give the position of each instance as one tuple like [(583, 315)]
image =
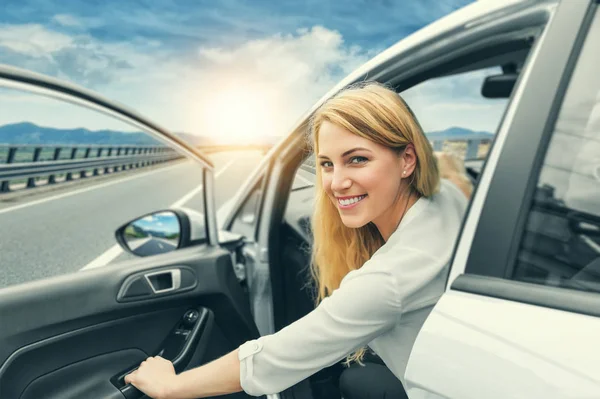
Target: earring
[(403, 173)]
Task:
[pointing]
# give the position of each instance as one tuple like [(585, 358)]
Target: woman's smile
[(350, 202)]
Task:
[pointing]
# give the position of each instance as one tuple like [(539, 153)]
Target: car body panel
[(489, 336), (475, 346)]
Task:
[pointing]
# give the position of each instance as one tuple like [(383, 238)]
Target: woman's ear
[(409, 160)]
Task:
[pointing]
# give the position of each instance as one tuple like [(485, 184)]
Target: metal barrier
[(469, 147), (29, 161), (20, 162)]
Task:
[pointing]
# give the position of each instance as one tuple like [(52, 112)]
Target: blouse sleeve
[(366, 305)]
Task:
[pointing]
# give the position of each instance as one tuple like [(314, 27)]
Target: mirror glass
[(153, 234)]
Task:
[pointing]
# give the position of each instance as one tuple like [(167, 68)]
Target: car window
[(246, 219), (561, 242), (454, 114), (70, 176)]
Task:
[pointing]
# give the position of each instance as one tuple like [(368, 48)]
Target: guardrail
[(29, 162), (20, 162), (469, 147), (234, 147)]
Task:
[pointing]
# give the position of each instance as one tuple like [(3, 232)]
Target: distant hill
[(29, 133), (457, 132)]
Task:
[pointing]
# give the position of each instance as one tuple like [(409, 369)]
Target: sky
[(218, 68)]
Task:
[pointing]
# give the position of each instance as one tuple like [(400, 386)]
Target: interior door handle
[(179, 347), (164, 280)]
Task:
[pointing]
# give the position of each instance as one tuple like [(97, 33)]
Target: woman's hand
[(155, 377)]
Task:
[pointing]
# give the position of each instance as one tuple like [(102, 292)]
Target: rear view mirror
[(499, 86)]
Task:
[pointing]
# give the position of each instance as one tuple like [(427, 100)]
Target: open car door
[(77, 335)]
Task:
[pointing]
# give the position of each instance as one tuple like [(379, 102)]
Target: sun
[(238, 115)]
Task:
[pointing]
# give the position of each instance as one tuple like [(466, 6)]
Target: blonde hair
[(377, 113)]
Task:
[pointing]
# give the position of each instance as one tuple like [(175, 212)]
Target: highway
[(68, 229)]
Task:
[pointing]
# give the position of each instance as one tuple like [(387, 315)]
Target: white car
[(520, 314)]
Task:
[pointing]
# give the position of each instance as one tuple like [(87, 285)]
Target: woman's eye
[(358, 160), (326, 164)]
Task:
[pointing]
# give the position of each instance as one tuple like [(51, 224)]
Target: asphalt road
[(153, 245), (68, 229)]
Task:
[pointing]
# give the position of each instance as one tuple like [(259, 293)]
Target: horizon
[(190, 137)]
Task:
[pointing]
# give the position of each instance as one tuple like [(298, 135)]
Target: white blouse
[(383, 304)]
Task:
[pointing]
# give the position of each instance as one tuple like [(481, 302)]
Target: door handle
[(179, 347), (164, 280)]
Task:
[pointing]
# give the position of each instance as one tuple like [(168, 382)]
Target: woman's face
[(363, 179)]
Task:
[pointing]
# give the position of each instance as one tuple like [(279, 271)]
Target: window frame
[(504, 214), (38, 84)]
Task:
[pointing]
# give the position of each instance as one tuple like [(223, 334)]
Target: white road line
[(298, 175), (105, 258), (116, 249), (83, 190), (186, 197), (220, 172)]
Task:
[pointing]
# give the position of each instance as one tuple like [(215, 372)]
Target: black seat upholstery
[(371, 381)]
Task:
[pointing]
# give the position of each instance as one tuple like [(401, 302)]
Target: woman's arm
[(157, 379), (365, 305)]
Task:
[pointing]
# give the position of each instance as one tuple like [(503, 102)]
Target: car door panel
[(52, 330), (88, 378)]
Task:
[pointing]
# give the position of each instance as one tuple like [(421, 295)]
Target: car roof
[(474, 14)]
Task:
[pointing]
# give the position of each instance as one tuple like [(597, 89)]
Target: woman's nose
[(340, 181)]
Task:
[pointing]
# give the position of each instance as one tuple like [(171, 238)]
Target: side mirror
[(155, 233), (167, 230), (499, 86)]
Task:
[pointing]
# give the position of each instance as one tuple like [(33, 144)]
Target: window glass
[(246, 220), (70, 176), (454, 114), (561, 243)]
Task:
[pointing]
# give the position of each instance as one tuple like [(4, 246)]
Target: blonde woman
[(384, 229)]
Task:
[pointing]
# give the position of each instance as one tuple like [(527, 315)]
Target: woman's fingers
[(130, 378)]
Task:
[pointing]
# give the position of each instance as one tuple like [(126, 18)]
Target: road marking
[(220, 172), (186, 197), (83, 190), (116, 249), (105, 258)]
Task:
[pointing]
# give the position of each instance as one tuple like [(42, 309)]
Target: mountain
[(457, 132), (29, 133)]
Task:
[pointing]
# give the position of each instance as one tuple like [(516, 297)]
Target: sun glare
[(238, 115)]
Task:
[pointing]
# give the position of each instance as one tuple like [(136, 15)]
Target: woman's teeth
[(350, 201)]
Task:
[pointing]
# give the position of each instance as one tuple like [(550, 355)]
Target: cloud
[(315, 55), (287, 73), (32, 40), (78, 57), (67, 20), (280, 75)]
